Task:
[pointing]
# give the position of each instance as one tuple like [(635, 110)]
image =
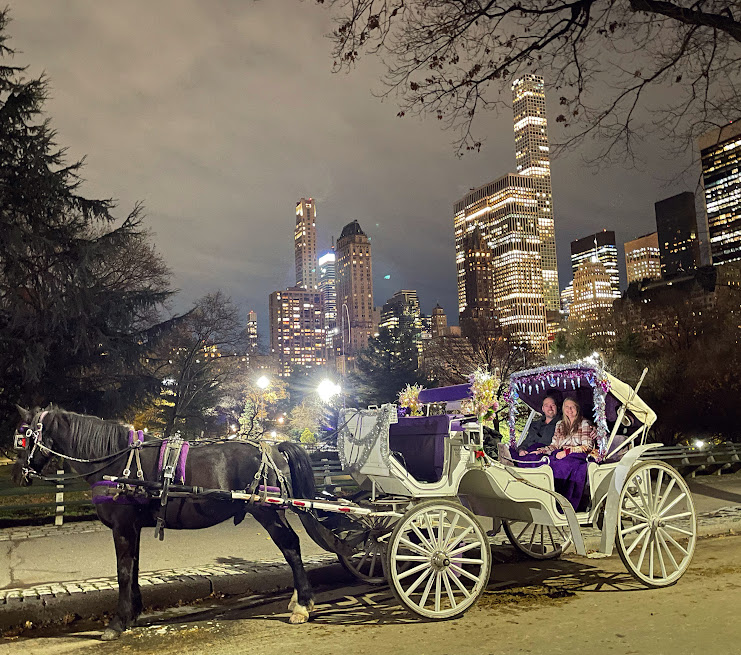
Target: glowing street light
[(263, 382), (327, 390)]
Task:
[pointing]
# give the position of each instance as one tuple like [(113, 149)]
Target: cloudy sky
[(219, 115)]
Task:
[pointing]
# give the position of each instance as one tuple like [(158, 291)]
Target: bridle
[(34, 437)]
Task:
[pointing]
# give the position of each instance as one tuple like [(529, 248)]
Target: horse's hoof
[(109, 634), (299, 616)]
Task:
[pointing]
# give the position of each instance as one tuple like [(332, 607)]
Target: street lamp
[(327, 390)]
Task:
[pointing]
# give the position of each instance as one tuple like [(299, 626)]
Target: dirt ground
[(574, 605)]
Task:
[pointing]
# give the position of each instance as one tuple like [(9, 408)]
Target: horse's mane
[(89, 437)]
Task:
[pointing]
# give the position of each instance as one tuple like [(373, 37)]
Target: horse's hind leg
[(126, 537), (302, 601)]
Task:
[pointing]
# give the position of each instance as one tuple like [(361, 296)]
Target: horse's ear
[(26, 415)]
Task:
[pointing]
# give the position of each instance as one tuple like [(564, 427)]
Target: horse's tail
[(302, 475), (302, 479)]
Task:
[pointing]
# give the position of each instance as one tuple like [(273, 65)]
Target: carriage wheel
[(536, 540), (657, 525), (438, 560), (367, 563)]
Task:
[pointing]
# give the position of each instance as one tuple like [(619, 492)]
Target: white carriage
[(428, 482)]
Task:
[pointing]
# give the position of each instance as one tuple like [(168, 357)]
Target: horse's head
[(30, 442)]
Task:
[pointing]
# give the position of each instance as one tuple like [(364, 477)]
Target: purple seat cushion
[(419, 443)]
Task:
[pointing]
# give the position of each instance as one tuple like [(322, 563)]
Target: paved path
[(46, 573)]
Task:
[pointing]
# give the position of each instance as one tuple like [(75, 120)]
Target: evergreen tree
[(386, 366), (80, 291)]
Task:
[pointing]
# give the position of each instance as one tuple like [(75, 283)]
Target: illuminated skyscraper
[(721, 172), (402, 312), (642, 258), (602, 248), (439, 321), (478, 278), (676, 225), (533, 160), (296, 334), (328, 290), (304, 243), (354, 288), (252, 332), (506, 213), (591, 308)]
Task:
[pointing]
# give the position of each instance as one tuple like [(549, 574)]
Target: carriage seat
[(418, 442)]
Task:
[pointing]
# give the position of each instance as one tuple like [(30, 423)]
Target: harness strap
[(135, 444)]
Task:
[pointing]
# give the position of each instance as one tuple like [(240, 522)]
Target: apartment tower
[(599, 247), (676, 225), (533, 160), (304, 243), (643, 258), (721, 173), (296, 335), (354, 283)]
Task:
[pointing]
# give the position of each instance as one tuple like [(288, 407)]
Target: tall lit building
[(505, 211), (439, 321), (591, 308), (296, 334), (304, 243), (354, 288), (721, 172), (533, 160), (567, 297), (602, 248), (515, 217), (676, 225), (328, 291), (642, 258), (251, 332), (401, 311), (478, 275)]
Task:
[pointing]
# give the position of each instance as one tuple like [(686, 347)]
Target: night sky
[(220, 115)]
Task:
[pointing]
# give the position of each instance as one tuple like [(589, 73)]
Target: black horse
[(103, 447)]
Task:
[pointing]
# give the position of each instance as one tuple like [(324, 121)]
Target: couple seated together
[(563, 442)]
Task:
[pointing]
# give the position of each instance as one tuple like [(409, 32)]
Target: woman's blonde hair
[(572, 428)]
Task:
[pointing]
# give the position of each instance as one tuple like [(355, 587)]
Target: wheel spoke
[(657, 495), (418, 581), (633, 528), (669, 487), (637, 540), (373, 564), (674, 542), (646, 541), (683, 515), (413, 558), (428, 588), (519, 536), (431, 532), (672, 504), (463, 572), (422, 538), (415, 547), (466, 560), (553, 541), (440, 528), (640, 509), (449, 537), (659, 544), (668, 551), (635, 517), (689, 533), (448, 590), (458, 583), (438, 589), (464, 549), (414, 570)]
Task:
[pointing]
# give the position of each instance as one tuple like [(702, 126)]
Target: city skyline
[(198, 121)]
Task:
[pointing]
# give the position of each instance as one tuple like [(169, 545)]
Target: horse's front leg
[(126, 528), (302, 601)]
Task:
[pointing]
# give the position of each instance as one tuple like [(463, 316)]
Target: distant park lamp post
[(327, 390)]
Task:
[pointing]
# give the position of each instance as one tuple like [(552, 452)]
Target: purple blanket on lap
[(569, 473)]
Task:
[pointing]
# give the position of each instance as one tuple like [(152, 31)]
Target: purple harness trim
[(270, 490), (180, 472), (139, 437), (100, 496)]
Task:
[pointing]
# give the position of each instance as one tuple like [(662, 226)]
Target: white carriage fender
[(567, 509), (609, 523)]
